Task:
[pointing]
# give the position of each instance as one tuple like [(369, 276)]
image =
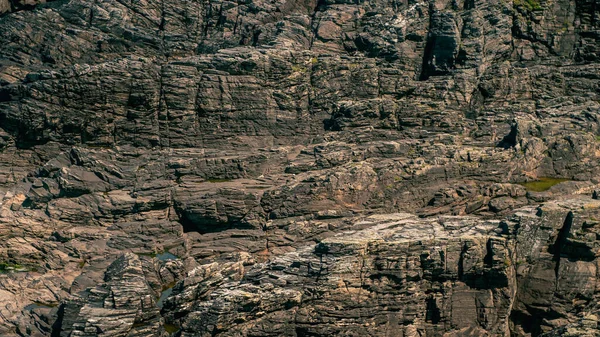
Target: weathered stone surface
[(299, 168)]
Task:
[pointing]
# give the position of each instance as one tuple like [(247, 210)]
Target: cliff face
[(299, 168)]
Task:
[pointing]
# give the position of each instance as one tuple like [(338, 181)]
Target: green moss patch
[(171, 328), (542, 184), (528, 4), (11, 267)]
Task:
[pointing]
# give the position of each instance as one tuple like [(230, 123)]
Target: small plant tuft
[(530, 5)]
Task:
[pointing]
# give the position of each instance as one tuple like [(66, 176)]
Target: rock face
[(299, 168), (124, 304)]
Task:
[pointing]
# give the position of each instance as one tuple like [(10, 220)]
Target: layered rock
[(298, 168), (405, 276)]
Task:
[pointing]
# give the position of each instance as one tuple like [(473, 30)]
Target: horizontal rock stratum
[(299, 168)]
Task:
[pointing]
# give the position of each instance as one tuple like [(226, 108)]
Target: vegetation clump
[(171, 328), (542, 184), (13, 267), (528, 4)]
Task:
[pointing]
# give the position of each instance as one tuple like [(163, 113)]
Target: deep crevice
[(560, 242)]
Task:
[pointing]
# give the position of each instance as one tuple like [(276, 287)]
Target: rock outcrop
[(299, 168)]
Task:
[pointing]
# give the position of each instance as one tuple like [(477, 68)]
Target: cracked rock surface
[(299, 168)]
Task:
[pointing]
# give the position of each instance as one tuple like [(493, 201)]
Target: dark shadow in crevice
[(561, 240), (433, 314)]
